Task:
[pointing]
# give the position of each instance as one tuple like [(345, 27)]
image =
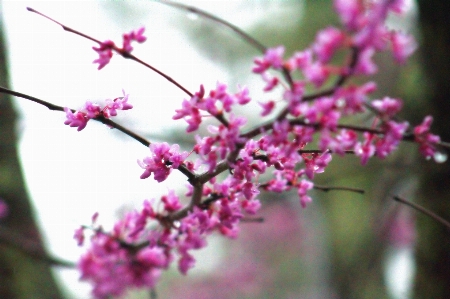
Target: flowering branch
[(99, 118), (105, 51), (145, 242)]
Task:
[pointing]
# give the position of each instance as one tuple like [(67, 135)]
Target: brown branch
[(252, 41), (30, 248), (252, 219), (423, 210), (118, 50), (183, 169), (337, 188), (101, 119), (246, 37)]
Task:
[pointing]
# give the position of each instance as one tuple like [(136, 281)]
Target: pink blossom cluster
[(284, 153), (92, 110), (105, 49), (145, 242)]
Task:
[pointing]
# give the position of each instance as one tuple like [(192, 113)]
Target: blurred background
[(53, 178)]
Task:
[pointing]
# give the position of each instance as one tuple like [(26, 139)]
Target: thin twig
[(423, 210), (337, 188), (252, 41), (252, 219), (101, 119), (118, 50)]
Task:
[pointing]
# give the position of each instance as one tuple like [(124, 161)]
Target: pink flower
[(171, 202), (365, 64), (242, 96), (300, 60), (120, 103), (105, 53), (327, 42), (425, 139), (77, 119), (273, 58), (403, 46), (163, 159), (365, 149), (79, 236), (137, 35), (190, 112), (92, 110), (350, 12), (271, 82), (267, 107), (393, 135), (302, 190), (388, 106), (152, 257), (316, 73)]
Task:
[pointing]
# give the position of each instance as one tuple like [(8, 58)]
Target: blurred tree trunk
[(22, 275), (433, 250)]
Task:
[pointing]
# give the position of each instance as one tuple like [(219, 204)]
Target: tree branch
[(30, 248), (424, 211)]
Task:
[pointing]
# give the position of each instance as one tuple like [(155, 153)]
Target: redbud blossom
[(425, 139), (104, 52)]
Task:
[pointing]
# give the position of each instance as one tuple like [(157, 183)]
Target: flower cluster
[(284, 153), (91, 110), (105, 50), (163, 159)]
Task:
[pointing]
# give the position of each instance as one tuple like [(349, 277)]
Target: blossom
[(105, 53), (77, 119), (426, 140), (302, 190), (267, 107), (365, 149), (388, 106), (273, 58), (327, 42), (136, 35), (162, 160), (92, 110), (403, 46)]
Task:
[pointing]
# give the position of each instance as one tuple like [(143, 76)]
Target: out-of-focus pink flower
[(4, 210), (425, 139), (403, 46), (105, 53), (350, 12), (136, 35), (327, 42), (388, 106), (365, 149), (273, 58), (267, 107), (302, 191), (79, 236)]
